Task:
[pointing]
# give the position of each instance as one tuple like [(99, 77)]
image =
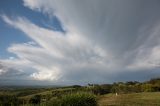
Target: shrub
[(8, 100), (35, 99), (101, 89), (79, 99)]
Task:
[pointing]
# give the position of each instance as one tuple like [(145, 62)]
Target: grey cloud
[(10, 73), (104, 40), (93, 75), (120, 27), (108, 21)]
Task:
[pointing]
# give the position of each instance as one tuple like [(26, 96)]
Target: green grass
[(79, 99), (134, 99)]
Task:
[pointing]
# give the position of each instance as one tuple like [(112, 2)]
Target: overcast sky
[(78, 41)]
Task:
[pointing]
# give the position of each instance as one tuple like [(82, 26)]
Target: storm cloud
[(104, 41)]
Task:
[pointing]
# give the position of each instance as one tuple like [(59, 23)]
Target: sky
[(65, 42)]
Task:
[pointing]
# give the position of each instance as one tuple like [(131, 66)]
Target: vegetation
[(79, 99), (8, 100), (77, 95), (132, 99), (35, 99)]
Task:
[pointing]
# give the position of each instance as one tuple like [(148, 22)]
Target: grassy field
[(134, 99), (91, 95)]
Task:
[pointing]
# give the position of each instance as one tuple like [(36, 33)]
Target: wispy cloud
[(54, 50)]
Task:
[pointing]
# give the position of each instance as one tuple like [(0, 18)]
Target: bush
[(8, 100), (101, 89), (35, 99), (79, 99)]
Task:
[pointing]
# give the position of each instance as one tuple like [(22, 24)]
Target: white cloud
[(56, 50), (1, 71), (46, 74)]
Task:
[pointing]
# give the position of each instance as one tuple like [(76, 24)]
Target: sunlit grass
[(133, 99)]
